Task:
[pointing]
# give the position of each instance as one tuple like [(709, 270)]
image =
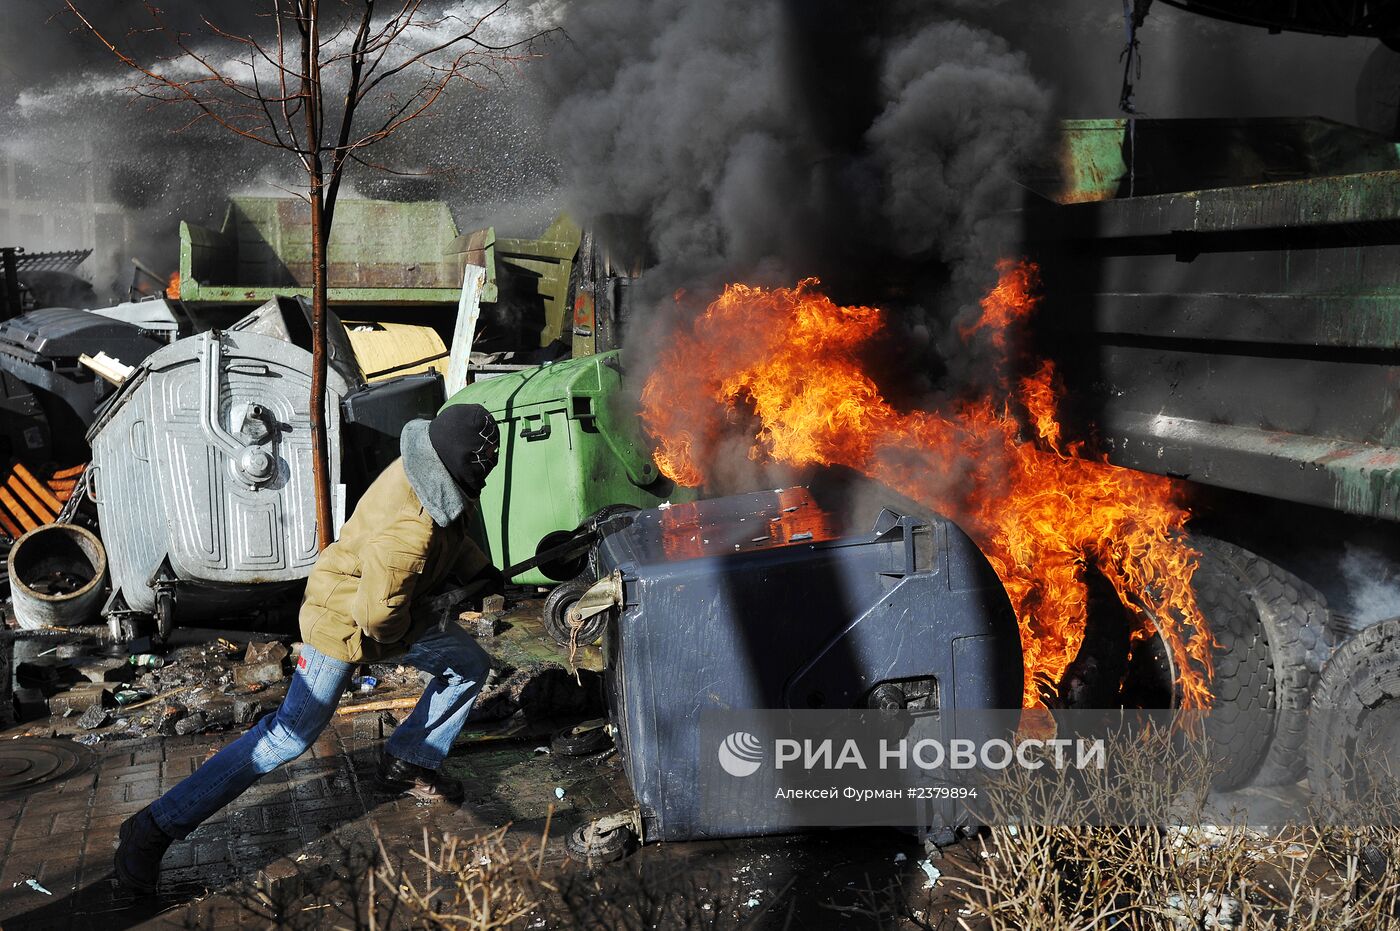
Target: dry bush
[(1091, 855), (485, 883)]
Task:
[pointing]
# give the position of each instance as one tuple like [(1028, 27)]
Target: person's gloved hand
[(495, 580)]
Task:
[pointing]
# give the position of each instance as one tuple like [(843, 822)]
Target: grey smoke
[(73, 127), (1372, 585)]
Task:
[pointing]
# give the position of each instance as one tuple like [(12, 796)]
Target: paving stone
[(272, 651), (79, 697), (105, 670), (30, 704)]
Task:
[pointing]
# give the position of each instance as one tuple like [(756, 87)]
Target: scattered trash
[(538, 750), (900, 858), (931, 871), (558, 792), (147, 661), (34, 884), (1210, 912), (130, 696), (167, 715), (88, 740), (365, 683)]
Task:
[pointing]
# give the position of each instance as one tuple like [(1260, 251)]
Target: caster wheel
[(584, 739), (556, 614), (588, 846), (165, 615), (127, 627)]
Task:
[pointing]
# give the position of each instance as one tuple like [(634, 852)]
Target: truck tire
[(1298, 626), (1243, 685), (1357, 705)]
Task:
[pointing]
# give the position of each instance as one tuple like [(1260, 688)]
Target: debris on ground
[(537, 689), (483, 623), (262, 665), (1209, 912), (95, 717)]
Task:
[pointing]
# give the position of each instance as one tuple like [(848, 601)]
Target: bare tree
[(326, 81)]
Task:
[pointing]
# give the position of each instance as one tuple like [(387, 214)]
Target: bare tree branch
[(306, 92)]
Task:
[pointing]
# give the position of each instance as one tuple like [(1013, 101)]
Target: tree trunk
[(320, 450)]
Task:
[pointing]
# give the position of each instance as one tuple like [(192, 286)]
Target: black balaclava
[(467, 440)]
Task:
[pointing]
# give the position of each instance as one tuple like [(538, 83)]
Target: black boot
[(396, 775), (143, 844)]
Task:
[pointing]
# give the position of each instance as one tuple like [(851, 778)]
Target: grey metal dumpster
[(201, 471)]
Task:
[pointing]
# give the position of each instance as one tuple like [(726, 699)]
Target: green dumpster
[(570, 446)]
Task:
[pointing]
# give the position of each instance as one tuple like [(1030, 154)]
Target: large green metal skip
[(570, 446)]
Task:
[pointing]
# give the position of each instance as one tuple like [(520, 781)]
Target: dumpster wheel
[(165, 614), (601, 841), (556, 614), (584, 739)]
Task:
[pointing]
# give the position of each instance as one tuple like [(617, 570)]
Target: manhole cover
[(31, 763)]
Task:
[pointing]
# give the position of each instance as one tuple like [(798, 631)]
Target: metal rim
[(99, 569)]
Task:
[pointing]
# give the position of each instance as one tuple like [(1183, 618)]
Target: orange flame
[(172, 287), (1041, 510)]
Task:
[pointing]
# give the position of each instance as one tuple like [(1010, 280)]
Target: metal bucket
[(56, 575)]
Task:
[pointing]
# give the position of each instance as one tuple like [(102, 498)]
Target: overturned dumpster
[(760, 601)]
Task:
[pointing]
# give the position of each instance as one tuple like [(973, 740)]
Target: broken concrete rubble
[(168, 715), (30, 704), (483, 623), (248, 675), (249, 709), (192, 723), (80, 698), (96, 716), (271, 651)]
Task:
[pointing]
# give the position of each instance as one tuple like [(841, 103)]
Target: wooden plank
[(468, 311)]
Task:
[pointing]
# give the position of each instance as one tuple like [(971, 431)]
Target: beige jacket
[(407, 535)]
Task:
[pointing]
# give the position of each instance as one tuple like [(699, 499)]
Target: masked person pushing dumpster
[(366, 601)]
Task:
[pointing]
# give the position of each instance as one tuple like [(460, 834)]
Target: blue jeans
[(459, 667)]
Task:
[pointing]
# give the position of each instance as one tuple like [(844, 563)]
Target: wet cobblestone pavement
[(279, 856)]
